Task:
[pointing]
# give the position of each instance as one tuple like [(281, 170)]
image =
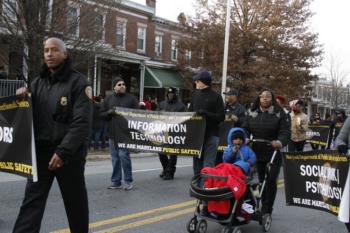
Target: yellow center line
[(144, 213), (134, 215), (148, 221)]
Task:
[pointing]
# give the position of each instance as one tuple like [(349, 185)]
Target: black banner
[(315, 179), (223, 132), (161, 132), (17, 152), (318, 134)]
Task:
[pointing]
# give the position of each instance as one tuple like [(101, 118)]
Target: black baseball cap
[(231, 91)]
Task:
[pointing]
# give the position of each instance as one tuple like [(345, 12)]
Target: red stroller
[(237, 216)]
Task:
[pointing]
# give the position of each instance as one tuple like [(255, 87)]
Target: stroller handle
[(262, 140), (203, 175)]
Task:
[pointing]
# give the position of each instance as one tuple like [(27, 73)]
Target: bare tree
[(27, 23), (336, 75)]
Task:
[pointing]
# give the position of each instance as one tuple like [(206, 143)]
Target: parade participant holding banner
[(234, 110), (171, 104), (338, 122), (210, 105), (120, 157), (343, 145), (299, 126), (234, 115), (267, 121), (315, 120), (62, 110)]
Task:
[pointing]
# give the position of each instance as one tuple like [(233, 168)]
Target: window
[(121, 33), (141, 39), (188, 55), (173, 49), (9, 9), (201, 54), (99, 27), (73, 21), (158, 45)]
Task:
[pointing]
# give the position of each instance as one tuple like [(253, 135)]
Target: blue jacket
[(244, 157)]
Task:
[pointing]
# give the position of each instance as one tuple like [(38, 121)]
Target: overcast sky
[(331, 21)]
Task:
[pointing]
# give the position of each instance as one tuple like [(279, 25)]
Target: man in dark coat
[(234, 110), (209, 104), (234, 114), (120, 157), (62, 114), (170, 104)]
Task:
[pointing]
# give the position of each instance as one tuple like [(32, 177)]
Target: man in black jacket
[(120, 157), (62, 112), (209, 104), (171, 104), (234, 110), (234, 113)]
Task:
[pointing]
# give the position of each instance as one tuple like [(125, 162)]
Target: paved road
[(154, 206)]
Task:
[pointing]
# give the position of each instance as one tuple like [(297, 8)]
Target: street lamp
[(227, 36)]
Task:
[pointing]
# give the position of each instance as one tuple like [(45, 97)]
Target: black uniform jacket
[(62, 111), (238, 110)]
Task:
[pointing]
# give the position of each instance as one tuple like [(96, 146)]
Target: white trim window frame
[(121, 32), (174, 50), (100, 34), (141, 38), (158, 45), (73, 21), (188, 55)]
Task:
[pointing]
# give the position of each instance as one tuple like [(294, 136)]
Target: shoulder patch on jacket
[(64, 101), (88, 92)]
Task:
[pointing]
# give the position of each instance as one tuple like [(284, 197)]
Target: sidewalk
[(104, 155)]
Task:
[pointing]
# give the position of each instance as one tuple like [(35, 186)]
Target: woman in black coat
[(267, 121)]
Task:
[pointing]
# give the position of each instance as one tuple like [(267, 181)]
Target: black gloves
[(201, 112), (343, 149), (111, 111)]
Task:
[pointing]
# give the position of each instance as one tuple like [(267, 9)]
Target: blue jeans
[(120, 160), (208, 154), (96, 137)]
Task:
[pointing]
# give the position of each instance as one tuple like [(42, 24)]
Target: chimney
[(151, 3)]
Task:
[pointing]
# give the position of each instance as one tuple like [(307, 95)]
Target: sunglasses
[(121, 84)]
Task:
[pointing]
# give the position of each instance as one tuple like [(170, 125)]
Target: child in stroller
[(226, 198)]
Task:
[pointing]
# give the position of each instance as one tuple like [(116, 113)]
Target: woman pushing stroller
[(269, 126)]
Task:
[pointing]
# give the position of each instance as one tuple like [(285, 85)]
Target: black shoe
[(162, 174), (168, 176)]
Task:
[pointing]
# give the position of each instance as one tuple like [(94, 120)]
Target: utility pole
[(227, 37)]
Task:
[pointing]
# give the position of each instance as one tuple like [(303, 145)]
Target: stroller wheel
[(201, 226), (226, 229), (237, 230), (266, 222), (192, 225)]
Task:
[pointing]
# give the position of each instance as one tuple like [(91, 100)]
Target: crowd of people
[(63, 115)]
